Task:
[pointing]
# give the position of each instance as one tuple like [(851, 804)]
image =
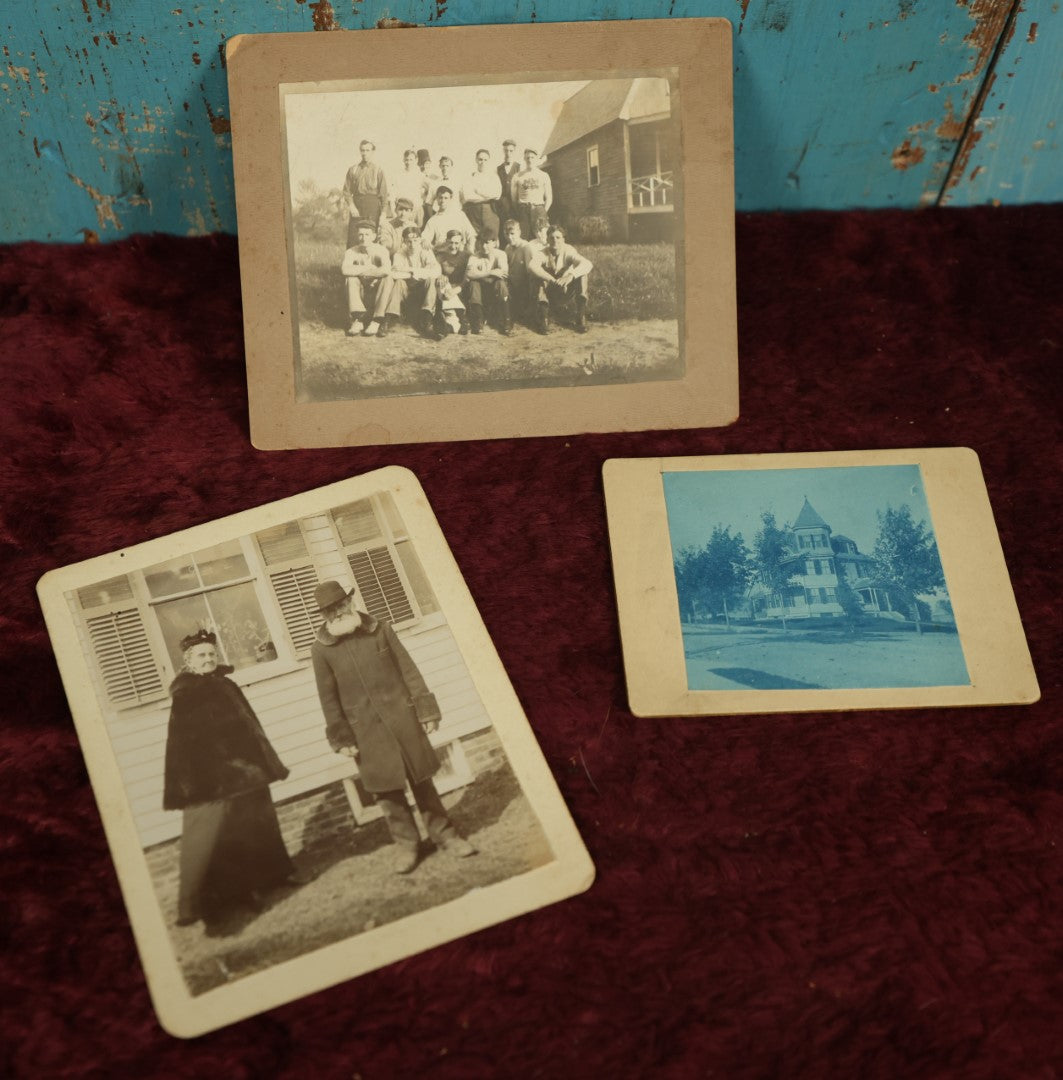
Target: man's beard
[(344, 624)]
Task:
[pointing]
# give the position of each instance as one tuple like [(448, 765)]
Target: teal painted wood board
[(115, 116)]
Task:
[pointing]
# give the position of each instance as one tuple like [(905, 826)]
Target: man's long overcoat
[(376, 700)]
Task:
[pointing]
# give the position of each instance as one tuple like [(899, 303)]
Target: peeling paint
[(17, 73), (990, 22), (1031, 37), (324, 16), (906, 155), (951, 127), (196, 59), (388, 23)]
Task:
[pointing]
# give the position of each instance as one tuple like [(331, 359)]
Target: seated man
[(414, 276), (561, 272), (453, 259), (518, 255), (486, 286), (366, 267), (391, 229), (448, 218)]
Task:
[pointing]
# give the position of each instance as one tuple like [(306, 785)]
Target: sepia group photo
[(452, 238)]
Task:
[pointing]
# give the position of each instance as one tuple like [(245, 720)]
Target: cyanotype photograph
[(810, 579)]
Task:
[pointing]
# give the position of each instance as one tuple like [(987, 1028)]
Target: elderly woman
[(219, 765)]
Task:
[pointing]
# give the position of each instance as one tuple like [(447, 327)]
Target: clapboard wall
[(114, 116)]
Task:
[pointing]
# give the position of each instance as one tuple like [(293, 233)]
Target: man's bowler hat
[(330, 593)]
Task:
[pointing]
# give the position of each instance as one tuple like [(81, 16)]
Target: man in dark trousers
[(379, 712)]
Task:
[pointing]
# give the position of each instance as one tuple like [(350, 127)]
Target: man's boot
[(506, 325), (581, 314), (476, 318), (542, 321)]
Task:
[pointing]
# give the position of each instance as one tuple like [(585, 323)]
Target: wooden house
[(257, 592), (613, 154)]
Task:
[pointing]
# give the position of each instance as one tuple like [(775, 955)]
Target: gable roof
[(809, 519), (602, 101)]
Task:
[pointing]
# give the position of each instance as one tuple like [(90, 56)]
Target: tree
[(906, 557), (686, 583), (770, 547), (849, 603), (315, 211), (724, 569)]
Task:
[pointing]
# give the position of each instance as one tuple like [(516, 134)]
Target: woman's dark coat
[(375, 700), (215, 746)]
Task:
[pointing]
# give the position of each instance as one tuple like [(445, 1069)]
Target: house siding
[(574, 198)]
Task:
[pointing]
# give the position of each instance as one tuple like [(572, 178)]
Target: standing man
[(366, 266), (506, 171), (379, 712), (562, 274), (479, 196), (532, 195), (410, 185), (365, 191)]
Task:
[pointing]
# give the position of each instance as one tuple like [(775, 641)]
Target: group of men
[(431, 245)]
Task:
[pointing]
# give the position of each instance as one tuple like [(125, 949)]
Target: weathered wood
[(114, 118)]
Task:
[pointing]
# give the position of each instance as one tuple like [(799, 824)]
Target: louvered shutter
[(379, 584), (293, 578), (127, 666)]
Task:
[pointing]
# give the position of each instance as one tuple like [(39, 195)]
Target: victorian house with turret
[(816, 561)]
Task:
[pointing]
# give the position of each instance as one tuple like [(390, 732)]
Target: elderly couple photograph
[(219, 762)]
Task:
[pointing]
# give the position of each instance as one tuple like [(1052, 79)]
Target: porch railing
[(654, 190)]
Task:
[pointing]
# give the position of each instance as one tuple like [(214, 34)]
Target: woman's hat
[(202, 636), (330, 593)]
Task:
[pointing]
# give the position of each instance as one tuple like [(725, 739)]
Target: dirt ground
[(355, 888), (756, 658), (336, 367)]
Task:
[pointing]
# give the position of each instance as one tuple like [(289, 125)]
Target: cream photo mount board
[(178, 823), (818, 581), (635, 119)]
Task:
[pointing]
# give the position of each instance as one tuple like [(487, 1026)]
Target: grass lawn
[(632, 337), (761, 658), (355, 888)]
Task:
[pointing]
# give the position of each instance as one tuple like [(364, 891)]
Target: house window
[(293, 579), (593, 173), (390, 579)]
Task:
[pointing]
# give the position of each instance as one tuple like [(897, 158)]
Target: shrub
[(593, 229)]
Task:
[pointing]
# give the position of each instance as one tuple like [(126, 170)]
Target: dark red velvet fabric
[(870, 894)]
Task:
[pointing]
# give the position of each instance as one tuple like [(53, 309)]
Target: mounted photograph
[(454, 245), (827, 581), (307, 756)]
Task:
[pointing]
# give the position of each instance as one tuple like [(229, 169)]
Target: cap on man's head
[(330, 593), (404, 203), (362, 223), (510, 142), (202, 636), (451, 233)]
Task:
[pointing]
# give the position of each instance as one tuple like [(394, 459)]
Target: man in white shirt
[(366, 267), (414, 276), (479, 195), (561, 272), (448, 218), (409, 184), (532, 194), (486, 286)]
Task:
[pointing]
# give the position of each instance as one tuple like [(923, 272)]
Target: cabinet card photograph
[(308, 759), (812, 581), (451, 232)]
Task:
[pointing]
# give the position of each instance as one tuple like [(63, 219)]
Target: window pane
[(391, 512), (223, 562), (176, 576), (282, 544), (356, 522), (415, 575), (241, 628), (107, 592)]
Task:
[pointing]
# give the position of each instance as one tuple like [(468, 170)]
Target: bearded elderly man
[(379, 712)]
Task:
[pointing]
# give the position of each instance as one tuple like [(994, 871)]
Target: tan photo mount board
[(183, 1014), (994, 645), (706, 396)]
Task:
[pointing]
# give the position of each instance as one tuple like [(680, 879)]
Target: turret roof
[(809, 519)]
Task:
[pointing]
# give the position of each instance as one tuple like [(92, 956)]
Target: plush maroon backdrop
[(870, 894)]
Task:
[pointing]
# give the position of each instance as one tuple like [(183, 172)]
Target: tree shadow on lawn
[(763, 680)]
